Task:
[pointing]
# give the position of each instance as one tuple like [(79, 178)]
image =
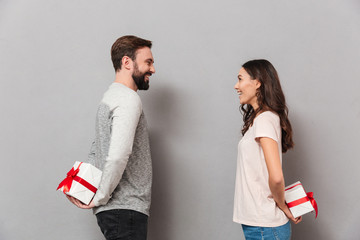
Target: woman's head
[(247, 88), (268, 96)]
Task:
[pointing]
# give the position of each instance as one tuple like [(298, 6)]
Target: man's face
[(143, 68)]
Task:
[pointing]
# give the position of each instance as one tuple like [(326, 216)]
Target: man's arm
[(125, 119)]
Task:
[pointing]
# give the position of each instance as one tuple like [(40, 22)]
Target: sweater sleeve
[(91, 154), (125, 118)]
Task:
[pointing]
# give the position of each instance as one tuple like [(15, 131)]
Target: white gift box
[(298, 201), (81, 182)]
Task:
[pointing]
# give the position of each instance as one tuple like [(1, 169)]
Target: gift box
[(299, 201), (81, 182)]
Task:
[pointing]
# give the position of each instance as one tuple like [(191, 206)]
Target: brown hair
[(127, 46), (270, 97)]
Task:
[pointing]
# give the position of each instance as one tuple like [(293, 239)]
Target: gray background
[(55, 65)]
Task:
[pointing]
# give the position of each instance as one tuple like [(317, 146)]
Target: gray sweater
[(121, 150)]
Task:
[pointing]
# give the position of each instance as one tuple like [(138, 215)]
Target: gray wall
[(55, 66)]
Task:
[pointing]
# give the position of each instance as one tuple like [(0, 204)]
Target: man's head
[(134, 54)]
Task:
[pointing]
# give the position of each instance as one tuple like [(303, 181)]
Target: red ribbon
[(293, 186), (309, 197), (72, 176)]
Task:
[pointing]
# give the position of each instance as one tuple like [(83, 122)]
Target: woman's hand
[(287, 212), (79, 204)]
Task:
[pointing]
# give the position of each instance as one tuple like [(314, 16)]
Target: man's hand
[(79, 204)]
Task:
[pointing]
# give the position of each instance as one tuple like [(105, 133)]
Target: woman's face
[(246, 88)]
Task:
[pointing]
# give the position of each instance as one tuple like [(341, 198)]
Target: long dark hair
[(270, 97)]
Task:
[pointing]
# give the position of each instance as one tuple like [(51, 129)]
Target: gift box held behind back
[(81, 182), (298, 201)]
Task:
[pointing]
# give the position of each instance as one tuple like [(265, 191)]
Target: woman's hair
[(270, 97)]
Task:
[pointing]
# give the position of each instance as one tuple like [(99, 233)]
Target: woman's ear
[(257, 83)]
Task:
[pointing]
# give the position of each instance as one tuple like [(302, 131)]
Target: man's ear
[(127, 62)]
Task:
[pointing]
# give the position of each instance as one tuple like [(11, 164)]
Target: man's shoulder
[(120, 95)]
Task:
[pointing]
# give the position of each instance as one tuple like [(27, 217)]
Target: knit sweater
[(121, 150)]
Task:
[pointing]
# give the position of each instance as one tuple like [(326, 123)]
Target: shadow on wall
[(162, 111), (160, 221), (296, 168)]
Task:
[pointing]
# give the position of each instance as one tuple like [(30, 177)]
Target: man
[(121, 147)]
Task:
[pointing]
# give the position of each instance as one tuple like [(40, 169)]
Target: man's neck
[(126, 80)]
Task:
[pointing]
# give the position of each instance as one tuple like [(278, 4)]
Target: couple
[(121, 149)]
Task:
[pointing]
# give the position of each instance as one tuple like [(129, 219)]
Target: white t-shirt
[(253, 202)]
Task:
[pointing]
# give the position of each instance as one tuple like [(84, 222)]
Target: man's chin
[(144, 87)]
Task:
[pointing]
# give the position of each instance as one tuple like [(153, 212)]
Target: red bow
[(310, 195), (70, 176)]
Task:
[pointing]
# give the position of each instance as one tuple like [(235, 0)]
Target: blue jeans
[(121, 224), (267, 233)]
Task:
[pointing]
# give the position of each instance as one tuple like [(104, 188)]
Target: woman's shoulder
[(268, 116)]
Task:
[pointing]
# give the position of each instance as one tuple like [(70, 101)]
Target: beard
[(139, 78)]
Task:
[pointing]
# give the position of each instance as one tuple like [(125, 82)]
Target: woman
[(259, 192)]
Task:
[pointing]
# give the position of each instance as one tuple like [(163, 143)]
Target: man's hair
[(127, 46)]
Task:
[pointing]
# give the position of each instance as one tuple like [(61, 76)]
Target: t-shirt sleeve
[(267, 125)]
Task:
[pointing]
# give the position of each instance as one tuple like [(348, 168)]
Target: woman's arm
[(276, 177)]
